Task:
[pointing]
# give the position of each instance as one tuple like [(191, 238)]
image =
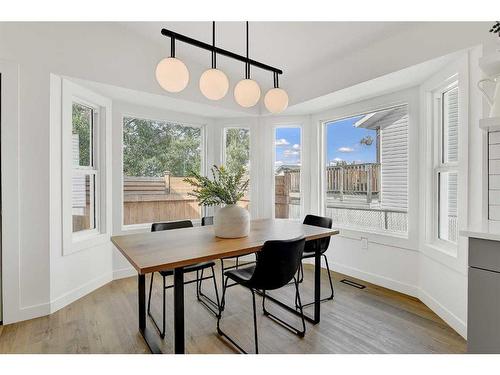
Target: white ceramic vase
[(231, 221)]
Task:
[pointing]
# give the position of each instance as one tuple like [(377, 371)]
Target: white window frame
[(439, 166), (324, 154), (73, 93), (224, 129), (289, 125), (451, 255), (142, 227)]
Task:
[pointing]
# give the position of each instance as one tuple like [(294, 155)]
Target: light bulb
[(172, 74), (214, 84), (276, 100), (247, 93)]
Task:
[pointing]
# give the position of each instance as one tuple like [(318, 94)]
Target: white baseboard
[(380, 280), (79, 292), (451, 319), (123, 273), (26, 313)]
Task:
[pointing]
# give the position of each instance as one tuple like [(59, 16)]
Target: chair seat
[(241, 275), (191, 268)]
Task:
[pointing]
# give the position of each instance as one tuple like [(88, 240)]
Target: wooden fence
[(155, 199)]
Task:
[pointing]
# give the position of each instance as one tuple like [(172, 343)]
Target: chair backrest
[(277, 263), (207, 220), (156, 227), (318, 221)]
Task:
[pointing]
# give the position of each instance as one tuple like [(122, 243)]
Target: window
[(446, 163), (366, 171), (84, 205), (86, 177), (237, 154), (287, 164), (157, 156)]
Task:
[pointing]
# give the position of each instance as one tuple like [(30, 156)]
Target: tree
[(151, 148), (237, 149), (82, 120)]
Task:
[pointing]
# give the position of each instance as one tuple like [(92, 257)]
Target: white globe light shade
[(276, 100), (172, 74), (247, 93), (214, 84)]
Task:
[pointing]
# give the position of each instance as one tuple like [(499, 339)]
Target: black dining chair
[(212, 306), (310, 251), (276, 265), (209, 220)]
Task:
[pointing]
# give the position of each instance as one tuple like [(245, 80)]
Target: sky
[(342, 141), (288, 146)]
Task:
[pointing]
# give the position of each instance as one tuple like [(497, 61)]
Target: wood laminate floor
[(370, 320)]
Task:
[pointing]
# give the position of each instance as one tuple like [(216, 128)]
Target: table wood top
[(158, 251)]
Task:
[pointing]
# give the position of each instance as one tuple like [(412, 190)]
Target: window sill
[(442, 249), (378, 237), (86, 242)]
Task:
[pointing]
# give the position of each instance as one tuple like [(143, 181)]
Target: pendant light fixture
[(276, 99), (247, 91), (213, 82), (171, 73)]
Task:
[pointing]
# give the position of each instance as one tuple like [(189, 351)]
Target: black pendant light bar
[(216, 50), (214, 55)]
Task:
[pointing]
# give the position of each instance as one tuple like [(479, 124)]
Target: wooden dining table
[(174, 249)]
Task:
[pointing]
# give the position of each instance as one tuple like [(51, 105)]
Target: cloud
[(345, 149), (278, 162), (296, 146), (289, 153), (281, 142), (338, 159)]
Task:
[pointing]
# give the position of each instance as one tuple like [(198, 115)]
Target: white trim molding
[(11, 249)]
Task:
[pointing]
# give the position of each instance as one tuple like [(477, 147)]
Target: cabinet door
[(483, 320)]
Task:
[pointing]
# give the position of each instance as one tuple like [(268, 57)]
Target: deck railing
[(354, 179)]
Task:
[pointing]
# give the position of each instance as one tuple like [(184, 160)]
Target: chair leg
[(206, 298), (150, 292), (330, 297), (255, 323), (223, 334), (198, 284), (300, 333), (223, 284), (329, 277), (160, 331)]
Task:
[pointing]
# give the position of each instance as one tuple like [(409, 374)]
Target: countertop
[(486, 231)]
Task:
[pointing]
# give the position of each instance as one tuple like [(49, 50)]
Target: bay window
[(236, 154), (157, 156), (366, 171), (287, 166), (446, 170), (85, 175)]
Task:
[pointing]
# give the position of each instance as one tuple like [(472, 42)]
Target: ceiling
[(295, 47)]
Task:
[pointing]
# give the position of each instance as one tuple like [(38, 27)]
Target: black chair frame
[(213, 306), (300, 276), (300, 333), (262, 292)]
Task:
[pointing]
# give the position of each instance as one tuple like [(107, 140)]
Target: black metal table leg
[(317, 286), (179, 311), (149, 337)]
